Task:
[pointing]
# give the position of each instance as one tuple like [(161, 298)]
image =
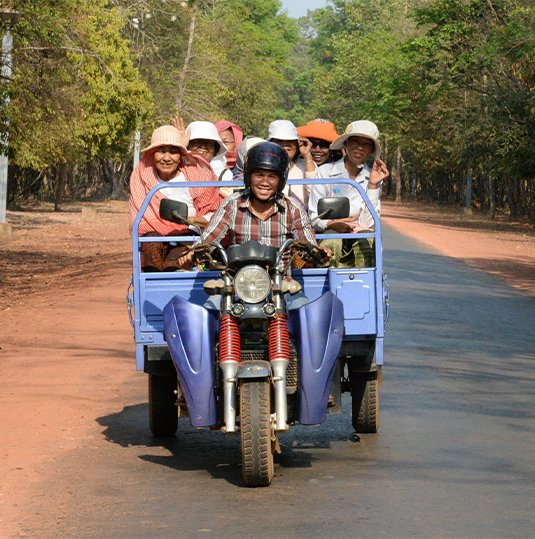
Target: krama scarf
[(145, 176), (223, 125)]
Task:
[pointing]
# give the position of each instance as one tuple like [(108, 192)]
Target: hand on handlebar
[(325, 255)]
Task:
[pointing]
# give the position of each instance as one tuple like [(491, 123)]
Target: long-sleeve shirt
[(358, 208), (236, 223)]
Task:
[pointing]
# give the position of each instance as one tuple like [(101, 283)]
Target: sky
[(298, 8)]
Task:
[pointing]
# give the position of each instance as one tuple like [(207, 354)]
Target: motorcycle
[(275, 348)]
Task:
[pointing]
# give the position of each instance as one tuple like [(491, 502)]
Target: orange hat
[(319, 128)]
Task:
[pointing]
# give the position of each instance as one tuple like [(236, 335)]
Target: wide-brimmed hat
[(282, 130), (207, 131), (166, 135), (320, 129), (361, 128)]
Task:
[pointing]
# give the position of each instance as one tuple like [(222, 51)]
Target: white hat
[(282, 130), (362, 128), (207, 131), (166, 135)]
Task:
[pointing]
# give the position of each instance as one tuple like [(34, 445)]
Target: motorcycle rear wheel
[(365, 402), (255, 428), (163, 412)]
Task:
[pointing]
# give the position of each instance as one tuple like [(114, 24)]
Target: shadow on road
[(219, 454)]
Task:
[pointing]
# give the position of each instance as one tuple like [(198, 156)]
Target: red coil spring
[(229, 339), (279, 340)]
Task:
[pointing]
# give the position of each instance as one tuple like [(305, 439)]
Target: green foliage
[(75, 92)]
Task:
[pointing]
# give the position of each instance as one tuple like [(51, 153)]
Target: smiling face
[(207, 148), (227, 137), (290, 146), (166, 160), (264, 184), (320, 151), (358, 149)]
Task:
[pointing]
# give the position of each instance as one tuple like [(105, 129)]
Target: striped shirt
[(235, 222)]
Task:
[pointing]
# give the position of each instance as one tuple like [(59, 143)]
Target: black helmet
[(267, 156)]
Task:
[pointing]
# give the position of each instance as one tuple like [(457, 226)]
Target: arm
[(305, 148), (378, 174)]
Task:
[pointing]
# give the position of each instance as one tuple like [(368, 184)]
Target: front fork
[(230, 355)]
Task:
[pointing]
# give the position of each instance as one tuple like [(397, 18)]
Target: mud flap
[(190, 332), (318, 328)]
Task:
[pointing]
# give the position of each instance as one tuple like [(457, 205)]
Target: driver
[(261, 211)]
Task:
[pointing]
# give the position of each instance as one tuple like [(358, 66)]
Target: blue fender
[(190, 332), (318, 328)]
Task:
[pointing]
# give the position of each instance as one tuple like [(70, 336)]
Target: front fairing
[(190, 332), (318, 328)]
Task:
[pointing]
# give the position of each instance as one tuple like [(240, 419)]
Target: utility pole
[(10, 18)]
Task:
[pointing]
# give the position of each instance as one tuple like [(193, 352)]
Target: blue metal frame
[(152, 290)]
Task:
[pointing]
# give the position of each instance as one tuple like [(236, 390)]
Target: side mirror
[(334, 208), (174, 211)]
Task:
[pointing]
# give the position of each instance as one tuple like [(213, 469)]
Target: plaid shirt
[(236, 222)]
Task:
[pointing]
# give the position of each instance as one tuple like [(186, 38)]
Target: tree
[(75, 93)]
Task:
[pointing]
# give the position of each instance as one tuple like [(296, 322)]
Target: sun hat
[(361, 128), (282, 130), (166, 135), (207, 131), (320, 129)]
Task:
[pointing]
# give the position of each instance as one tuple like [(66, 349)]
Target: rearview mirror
[(174, 211), (333, 208)]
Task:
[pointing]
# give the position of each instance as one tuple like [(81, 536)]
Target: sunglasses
[(320, 143)]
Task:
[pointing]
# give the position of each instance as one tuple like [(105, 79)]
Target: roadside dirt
[(66, 348)]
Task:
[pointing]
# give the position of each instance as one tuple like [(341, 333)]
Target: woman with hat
[(321, 134), (167, 161), (205, 140), (359, 142), (284, 133)]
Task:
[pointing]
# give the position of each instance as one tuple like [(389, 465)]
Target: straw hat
[(282, 130), (167, 135), (320, 129), (206, 131), (361, 128)]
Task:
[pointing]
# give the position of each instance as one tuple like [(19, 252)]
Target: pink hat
[(167, 135)]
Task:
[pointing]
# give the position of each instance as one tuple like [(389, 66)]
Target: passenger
[(321, 134), (205, 140), (360, 141), (260, 212), (166, 160), (231, 136), (284, 133), (247, 143)]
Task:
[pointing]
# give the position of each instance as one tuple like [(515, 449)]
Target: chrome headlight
[(252, 284)]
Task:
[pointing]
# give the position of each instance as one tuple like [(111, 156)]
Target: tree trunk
[(108, 176), (512, 197), (385, 159), (492, 197), (468, 203), (60, 186), (180, 97), (398, 175)]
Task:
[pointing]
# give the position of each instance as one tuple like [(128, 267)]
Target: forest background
[(450, 83)]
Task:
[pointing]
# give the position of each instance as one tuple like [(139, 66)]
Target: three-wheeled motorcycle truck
[(254, 366)]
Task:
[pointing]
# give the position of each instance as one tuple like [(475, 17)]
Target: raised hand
[(378, 174), (179, 124)]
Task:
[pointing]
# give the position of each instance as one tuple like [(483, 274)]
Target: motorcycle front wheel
[(255, 428)]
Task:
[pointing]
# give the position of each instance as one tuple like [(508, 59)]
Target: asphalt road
[(453, 456)]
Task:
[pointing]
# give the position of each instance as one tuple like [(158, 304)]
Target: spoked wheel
[(255, 427), (163, 412), (365, 402)]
